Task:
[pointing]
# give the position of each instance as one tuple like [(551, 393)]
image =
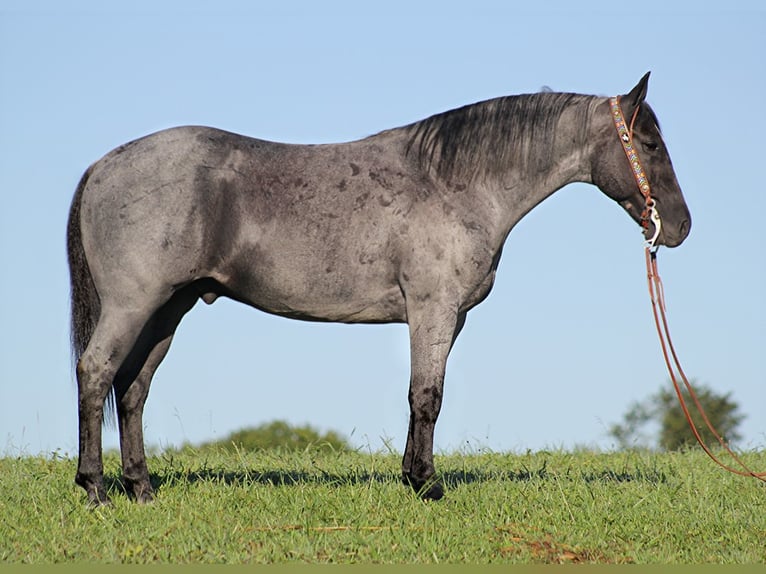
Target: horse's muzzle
[(673, 235)]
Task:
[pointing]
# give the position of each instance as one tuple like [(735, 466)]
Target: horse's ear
[(632, 100)]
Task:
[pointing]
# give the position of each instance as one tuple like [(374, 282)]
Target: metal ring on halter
[(654, 217)]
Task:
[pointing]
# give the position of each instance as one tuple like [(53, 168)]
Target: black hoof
[(433, 491), (98, 499), (144, 497), (428, 489), (141, 491), (97, 496)]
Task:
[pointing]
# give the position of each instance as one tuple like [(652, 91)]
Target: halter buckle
[(654, 216)]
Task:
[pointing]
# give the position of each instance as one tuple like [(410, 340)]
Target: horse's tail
[(86, 305)]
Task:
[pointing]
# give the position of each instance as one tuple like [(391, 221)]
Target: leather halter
[(625, 133)]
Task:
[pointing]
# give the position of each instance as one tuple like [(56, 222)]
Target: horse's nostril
[(685, 227)]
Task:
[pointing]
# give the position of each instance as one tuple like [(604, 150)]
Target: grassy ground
[(546, 507)]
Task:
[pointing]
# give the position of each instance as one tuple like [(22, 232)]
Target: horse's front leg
[(433, 329)]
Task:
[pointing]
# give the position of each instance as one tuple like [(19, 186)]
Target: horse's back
[(299, 230)]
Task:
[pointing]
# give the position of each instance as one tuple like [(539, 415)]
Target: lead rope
[(657, 295)]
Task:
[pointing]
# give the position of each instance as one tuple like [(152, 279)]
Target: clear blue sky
[(565, 341)]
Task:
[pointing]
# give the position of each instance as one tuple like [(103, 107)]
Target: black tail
[(86, 305)]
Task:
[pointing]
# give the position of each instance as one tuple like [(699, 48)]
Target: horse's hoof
[(434, 491), (428, 489), (144, 497), (99, 500)]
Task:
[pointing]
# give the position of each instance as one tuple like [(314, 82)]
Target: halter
[(625, 134), (657, 295)]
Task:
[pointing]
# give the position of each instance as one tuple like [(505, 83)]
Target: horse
[(404, 226)]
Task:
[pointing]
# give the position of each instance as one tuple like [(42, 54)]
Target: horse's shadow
[(451, 479)]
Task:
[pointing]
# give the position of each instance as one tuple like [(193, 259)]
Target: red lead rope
[(657, 295)]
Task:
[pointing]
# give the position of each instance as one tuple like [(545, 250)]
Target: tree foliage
[(663, 410), (281, 435)]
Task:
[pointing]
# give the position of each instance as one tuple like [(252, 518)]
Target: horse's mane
[(483, 139)]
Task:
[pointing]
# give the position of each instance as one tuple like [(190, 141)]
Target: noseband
[(625, 134)]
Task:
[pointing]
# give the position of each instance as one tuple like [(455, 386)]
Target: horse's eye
[(651, 146)]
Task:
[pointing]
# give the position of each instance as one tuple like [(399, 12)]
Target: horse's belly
[(384, 307), (315, 288)]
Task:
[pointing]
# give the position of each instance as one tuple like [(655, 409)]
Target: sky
[(564, 343)]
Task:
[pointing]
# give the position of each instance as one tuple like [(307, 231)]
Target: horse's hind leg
[(131, 391), (109, 346), (130, 398)]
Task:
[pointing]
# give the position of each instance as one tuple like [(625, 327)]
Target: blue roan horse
[(404, 226)]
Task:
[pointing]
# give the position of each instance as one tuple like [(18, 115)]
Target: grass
[(332, 507)]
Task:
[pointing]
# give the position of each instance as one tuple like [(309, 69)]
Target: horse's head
[(613, 174)]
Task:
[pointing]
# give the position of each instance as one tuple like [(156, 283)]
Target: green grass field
[(326, 507)]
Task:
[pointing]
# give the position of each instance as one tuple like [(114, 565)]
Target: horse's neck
[(512, 168), (514, 194)]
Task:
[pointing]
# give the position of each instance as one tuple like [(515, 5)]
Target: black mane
[(483, 139)]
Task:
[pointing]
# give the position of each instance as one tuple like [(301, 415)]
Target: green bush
[(281, 435)]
